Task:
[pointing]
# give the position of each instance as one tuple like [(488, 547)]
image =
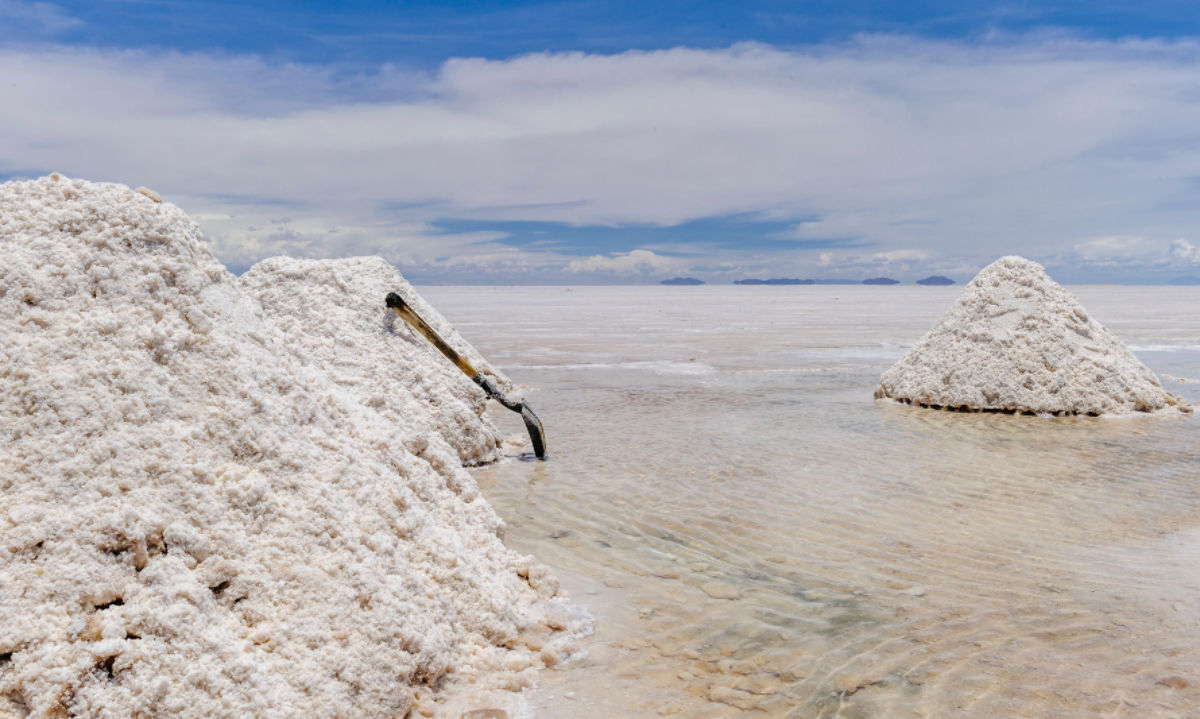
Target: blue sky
[(426, 34), (574, 142)]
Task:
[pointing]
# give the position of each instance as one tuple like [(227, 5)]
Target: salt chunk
[(149, 193), (333, 310)]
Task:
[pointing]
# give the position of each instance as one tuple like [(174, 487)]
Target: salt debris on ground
[(334, 311), (1016, 341), (197, 521)]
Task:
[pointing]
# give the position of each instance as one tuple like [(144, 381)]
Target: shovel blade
[(536, 434)]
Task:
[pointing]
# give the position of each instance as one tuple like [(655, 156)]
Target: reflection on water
[(753, 532)]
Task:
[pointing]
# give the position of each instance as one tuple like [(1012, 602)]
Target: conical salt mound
[(196, 521), (334, 311), (1016, 341)]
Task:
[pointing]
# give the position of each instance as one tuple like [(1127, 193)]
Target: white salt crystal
[(196, 520), (334, 311), (1017, 341)]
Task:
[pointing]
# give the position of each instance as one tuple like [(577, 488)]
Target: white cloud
[(854, 264), (893, 257), (1130, 252), (24, 21), (1185, 251), (624, 263), (1117, 250), (959, 152)]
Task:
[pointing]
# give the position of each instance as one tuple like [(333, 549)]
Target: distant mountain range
[(931, 280), (1185, 281), (774, 281), (793, 281)]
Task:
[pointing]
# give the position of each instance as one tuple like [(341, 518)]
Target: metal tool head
[(537, 435)]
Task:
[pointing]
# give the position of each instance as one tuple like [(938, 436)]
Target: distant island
[(682, 281), (793, 281), (880, 281), (936, 280), (1185, 281)]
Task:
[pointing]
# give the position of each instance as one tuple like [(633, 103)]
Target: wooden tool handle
[(397, 303)]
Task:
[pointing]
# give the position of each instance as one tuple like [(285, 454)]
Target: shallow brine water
[(753, 533)]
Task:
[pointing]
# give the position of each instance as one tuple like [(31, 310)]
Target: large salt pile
[(334, 310), (195, 521), (1016, 341)]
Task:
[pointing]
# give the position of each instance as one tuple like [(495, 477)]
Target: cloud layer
[(926, 156)]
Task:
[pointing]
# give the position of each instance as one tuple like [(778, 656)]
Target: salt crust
[(1016, 341), (197, 521), (334, 311)]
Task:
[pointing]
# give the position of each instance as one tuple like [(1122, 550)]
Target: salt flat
[(753, 531)]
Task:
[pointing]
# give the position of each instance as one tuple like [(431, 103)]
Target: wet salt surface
[(761, 535)]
